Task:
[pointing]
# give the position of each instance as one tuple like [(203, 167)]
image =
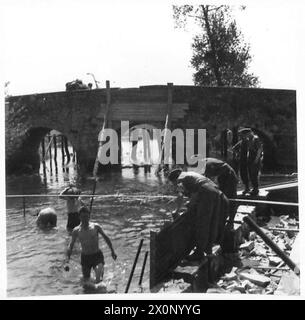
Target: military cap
[(245, 130), (174, 174)]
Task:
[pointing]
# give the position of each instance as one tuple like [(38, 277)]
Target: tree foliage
[(220, 55)]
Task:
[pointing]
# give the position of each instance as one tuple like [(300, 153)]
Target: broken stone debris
[(274, 261), (254, 253), (247, 246), (252, 236), (257, 279)]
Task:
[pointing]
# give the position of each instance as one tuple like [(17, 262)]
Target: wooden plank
[(282, 186), (152, 273), (169, 246)]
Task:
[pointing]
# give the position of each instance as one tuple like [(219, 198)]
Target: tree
[(220, 55)]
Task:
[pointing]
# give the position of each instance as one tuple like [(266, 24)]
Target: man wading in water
[(73, 204), (91, 255)]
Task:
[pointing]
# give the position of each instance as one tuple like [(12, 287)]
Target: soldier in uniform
[(208, 209), (226, 178), (250, 150)]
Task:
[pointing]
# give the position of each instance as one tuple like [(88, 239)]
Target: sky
[(131, 43)]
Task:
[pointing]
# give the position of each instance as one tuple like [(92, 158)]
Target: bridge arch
[(29, 154), (78, 115)]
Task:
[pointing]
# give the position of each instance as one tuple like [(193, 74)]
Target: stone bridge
[(79, 116)]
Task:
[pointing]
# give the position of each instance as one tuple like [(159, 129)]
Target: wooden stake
[(134, 265), (43, 149), (143, 268), (62, 151), (55, 147), (66, 147), (168, 121), (50, 147), (23, 203), (152, 272)]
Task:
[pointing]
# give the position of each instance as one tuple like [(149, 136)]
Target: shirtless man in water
[(71, 195), (91, 255)]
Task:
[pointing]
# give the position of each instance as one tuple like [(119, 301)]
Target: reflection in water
[(35, 258)]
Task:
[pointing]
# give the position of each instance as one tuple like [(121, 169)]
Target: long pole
[(93, 193), (134, 265), (62, 151), (55, 147), (47, 149), (96, 164), (66, 148), (168, 121), (108, 102), (143, 268), (23, 203), (43, 149)]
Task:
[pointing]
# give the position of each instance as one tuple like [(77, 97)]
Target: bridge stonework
[(79, 116)]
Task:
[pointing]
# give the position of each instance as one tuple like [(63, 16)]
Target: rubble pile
[(260, 268), (173, 286)]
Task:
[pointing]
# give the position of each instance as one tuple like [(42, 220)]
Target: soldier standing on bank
[(250, 150)]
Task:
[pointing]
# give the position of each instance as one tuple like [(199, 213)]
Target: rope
[(147, 196), (90, 195)]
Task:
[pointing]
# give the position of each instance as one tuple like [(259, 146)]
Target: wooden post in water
[(134, 146), (74, 155), (50, 147), (146, 149), (55, 153), (43, 149), (50, 152), (62, 151), (55, 148), (66, 147)]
